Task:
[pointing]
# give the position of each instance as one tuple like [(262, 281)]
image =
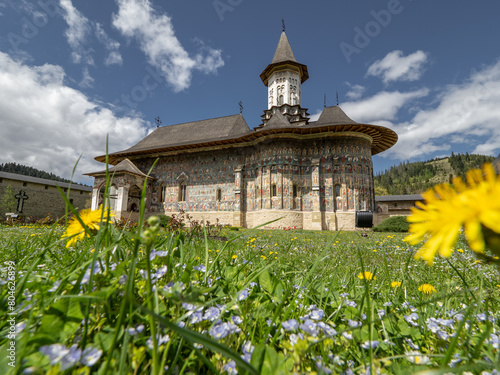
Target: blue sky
[(74, 71)]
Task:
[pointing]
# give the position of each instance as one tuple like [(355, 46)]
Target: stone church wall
[(309, 183)]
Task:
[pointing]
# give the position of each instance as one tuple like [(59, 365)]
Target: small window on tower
[(219, 195), (274, 190), (281, 99)]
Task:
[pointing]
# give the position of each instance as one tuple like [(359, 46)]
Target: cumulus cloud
[(355, 91), (396, 67), (155, 33), (467, 113), (382, 106), (79, 28), (47, 125), (112, 46)]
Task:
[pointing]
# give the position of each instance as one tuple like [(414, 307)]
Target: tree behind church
[(8, 201)]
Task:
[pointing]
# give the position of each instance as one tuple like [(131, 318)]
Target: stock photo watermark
[(372, 29), (10, 271), (31, 26), (223, 6)]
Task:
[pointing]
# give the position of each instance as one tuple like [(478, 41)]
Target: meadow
[(149, 300)]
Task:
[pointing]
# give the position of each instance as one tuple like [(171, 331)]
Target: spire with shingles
[(283, 51)]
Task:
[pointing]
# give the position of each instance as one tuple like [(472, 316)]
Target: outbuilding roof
[(42, 181), (399, 198)]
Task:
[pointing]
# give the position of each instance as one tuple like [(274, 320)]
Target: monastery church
[(312, 174)]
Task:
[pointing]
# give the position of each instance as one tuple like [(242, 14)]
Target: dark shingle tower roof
[(283, 51), (284, 56)]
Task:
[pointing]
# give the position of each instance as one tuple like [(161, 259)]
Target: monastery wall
[(44, 198)]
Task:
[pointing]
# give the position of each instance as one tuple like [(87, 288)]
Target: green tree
[(8, 201)]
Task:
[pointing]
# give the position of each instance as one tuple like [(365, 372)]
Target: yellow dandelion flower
[(448, 208), (426, 289), (367, 275), (91, 219), (234, 256), (460, 250), (396, 284)]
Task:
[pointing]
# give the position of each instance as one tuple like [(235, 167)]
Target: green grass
[(286, 301)]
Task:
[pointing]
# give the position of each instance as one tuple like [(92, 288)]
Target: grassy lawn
[(249, 301)]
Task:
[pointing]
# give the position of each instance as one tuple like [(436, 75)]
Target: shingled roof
[(124, 166), (194, 132), (284, 56), (283, 51), (334, 115)]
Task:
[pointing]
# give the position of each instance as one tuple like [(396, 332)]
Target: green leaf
[(266, 282)]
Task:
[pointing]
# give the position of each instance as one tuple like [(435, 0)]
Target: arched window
[(273, 192), (337, 201), (182, 191), (281, 100), (219, 195)]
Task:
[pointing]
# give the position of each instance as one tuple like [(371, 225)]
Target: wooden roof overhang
[(381, 139)]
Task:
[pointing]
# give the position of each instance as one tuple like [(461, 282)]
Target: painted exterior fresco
[(330, 174)]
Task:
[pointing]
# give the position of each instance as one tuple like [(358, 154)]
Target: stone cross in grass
[(21, 197)]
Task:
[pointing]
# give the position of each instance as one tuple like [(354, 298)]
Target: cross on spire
[(283, 24), (158, 121)]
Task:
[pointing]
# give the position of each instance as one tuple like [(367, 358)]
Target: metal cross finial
[(337, 98), (324, 102), (241, 107), (21, 197), (283, 23), (158, 121)]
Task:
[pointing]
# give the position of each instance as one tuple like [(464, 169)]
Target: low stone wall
[(288, 219), (332, 221)]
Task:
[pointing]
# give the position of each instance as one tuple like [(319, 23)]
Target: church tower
[(283, 78)]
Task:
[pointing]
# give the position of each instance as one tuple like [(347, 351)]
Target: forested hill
[(30, 171), (417, 177)]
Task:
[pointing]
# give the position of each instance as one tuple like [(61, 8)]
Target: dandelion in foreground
[(426, 289), (366, 275), (473, 205), (92, 221), (396, 284)]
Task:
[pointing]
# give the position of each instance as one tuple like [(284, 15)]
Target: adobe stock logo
[(223, 6), (372, 29)]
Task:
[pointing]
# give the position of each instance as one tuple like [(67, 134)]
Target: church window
[(46, 187), (26, 184), (163, 191), (182, 191), (281, 100), (219, 195), (294, 195), (274, 190), (337, 195)]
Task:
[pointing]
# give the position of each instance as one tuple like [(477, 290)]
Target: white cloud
[(383, 106), (87, 80), (468, 111), (396, 67), (355, 91), (77, 32), (47, 125), (114, 56), (156, 37)]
